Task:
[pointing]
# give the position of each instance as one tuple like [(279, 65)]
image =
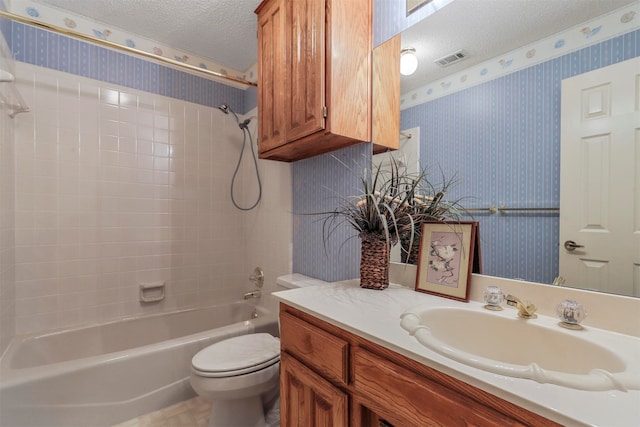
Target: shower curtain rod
[(127, 49)]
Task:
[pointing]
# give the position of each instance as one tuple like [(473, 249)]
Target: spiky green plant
[(383, 207), (392, 203)]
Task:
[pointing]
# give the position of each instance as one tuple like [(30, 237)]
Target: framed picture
[(449, 253)]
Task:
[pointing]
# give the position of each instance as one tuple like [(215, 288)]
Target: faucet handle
[(493, 297), (571, 313), (257, 277)]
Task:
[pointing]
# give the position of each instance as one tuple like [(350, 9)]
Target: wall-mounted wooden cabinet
[(315, 76), (331, 377)]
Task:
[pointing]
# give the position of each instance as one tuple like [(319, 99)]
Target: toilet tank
[(296, 280)]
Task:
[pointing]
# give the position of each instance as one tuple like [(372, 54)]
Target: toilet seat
[(237, 356)]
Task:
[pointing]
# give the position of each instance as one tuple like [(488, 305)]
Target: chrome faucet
[(525, 311), (253, 294)]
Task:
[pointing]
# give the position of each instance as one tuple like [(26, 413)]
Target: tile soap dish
[(152, 292)]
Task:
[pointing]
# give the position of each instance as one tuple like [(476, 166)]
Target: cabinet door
[(308, 400), (406, 399), (272, 99), (306, 68), (386, 96)]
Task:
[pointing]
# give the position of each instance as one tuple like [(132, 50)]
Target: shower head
[(226, 109)]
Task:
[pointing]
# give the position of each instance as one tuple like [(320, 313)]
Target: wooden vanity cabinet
[(307, 399), (331, 377), (315, 76)]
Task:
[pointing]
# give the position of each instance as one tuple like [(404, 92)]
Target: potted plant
[(381, 214), (390, 209)]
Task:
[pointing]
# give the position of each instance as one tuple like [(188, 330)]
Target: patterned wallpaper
[(319, 184), (588, 33), (501, 140), (5, 25), (42, 48), (84, 25)]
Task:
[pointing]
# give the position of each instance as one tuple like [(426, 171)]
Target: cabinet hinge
[(325, 112)]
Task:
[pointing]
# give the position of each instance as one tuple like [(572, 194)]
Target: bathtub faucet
[(253, 294)]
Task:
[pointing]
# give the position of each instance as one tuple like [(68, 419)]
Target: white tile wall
[(7, 252), (116, 187), (268, 229)]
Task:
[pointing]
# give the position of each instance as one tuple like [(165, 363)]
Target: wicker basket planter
[(374, 262), (392, 204)]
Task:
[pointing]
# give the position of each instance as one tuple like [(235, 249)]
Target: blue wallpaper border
[(58, 52)]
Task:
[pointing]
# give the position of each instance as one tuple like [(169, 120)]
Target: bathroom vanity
[(323, 366), (347, 362)]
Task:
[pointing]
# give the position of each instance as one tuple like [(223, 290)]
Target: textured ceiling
[(225, 30), (221, 30)]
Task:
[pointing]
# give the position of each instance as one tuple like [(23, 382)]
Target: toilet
[(240, 376), (236, 374)]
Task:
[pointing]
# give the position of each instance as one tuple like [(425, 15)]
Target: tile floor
[(190, 413)]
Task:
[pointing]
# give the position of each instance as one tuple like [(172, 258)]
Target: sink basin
[(502, 343)]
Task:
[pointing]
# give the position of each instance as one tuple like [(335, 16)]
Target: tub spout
[(253, 294)]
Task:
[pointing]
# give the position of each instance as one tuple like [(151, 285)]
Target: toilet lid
[(238, 355)]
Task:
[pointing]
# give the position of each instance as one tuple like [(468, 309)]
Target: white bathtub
[(105, 374)]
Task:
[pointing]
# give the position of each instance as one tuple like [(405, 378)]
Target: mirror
[(492, 119), (413, 5)]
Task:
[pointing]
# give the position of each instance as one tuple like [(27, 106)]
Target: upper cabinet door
[(306, 68), (315, 77), (272, 97)]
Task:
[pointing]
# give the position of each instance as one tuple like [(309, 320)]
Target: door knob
[(570, 245)]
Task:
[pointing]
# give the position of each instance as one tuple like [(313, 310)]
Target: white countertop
[(375, 315)]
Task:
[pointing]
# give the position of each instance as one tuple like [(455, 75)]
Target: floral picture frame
[(449, 253)]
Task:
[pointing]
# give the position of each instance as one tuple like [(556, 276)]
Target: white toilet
[(241, 375), (236, 374)]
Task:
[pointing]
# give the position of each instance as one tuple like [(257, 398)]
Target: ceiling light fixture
[(408, 61)]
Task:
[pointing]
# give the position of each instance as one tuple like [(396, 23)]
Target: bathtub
[(104, 374)]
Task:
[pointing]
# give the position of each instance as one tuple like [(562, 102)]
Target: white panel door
[(599, 180)]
